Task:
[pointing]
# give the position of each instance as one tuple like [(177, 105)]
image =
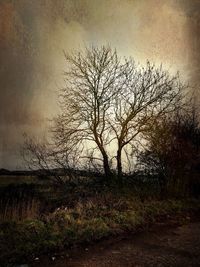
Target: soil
[(161, 246)]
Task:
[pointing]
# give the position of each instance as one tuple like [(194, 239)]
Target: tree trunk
[(119, 165), (106, 166)]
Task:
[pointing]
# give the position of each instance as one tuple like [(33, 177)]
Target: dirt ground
[(159, 247)]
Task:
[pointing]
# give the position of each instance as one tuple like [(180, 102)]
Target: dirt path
[(162, 246)]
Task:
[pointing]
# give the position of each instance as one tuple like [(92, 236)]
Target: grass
[(18, 202), (37, 218), (87, 221)]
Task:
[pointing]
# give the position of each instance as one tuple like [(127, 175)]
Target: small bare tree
[(48, 161), (107, 104)]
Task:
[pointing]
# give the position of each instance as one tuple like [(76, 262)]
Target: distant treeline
[(52, 172)]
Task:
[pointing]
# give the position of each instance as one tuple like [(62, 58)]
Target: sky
[(34, 34)]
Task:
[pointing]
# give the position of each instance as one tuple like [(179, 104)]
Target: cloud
[(33, 35), (192, 9)]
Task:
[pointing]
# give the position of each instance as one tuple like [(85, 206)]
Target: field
[(6, 180), (38, 218)]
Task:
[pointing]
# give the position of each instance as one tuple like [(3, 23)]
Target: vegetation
[(172, 154), (86, 222)]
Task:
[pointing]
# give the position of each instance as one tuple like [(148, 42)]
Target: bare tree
[(148, 94), (48, 161), (106, 105), (109, 101), (93, 80)]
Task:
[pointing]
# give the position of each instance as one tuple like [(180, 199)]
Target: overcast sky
[(34, 33)]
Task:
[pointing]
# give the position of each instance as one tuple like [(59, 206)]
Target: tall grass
[(18, 202)]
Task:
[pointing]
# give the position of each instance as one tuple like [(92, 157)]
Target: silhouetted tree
[(107, 103)]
